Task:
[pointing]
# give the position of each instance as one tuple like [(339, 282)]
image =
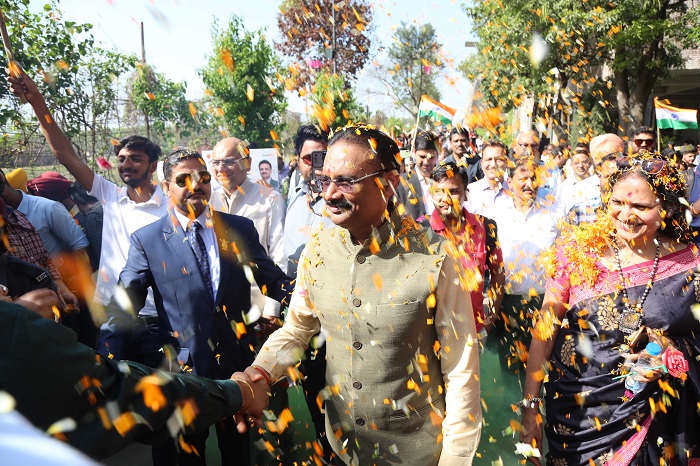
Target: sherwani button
[(357, 385), (361, 259), (360, 422), (357, 302), (357, 345)]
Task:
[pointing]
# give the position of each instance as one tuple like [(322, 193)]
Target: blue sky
[(178, 35)]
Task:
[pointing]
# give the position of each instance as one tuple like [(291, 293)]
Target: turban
[(17, 179), (51, 185)]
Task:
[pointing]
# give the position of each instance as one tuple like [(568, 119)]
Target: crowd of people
[(472, 303)]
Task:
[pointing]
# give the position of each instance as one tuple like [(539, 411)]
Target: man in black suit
[(198, 261), (413, 190)]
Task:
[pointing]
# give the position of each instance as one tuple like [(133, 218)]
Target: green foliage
[(333, 105), (595, 47), (245, 80), (415, 61), (170, 114), (78, 79), (306, 28)]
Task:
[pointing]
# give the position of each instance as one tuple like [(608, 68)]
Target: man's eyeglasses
[(643, 142), (306, 159), (648, 166), (229, 162), (531, 146), (184, 180), (344, 185)]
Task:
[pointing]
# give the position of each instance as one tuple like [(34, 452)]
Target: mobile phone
[(317, 158)]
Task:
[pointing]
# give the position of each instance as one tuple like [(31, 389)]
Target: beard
[(134, 179)]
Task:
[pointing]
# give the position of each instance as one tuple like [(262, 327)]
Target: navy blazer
[(209, 336), (410, 194)]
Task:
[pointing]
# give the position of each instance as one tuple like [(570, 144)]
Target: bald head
[(230, 147), (230, 162), (527, 142), (605, 144)]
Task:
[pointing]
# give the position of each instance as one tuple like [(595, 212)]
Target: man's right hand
[(23, 86), (42, 301), (255, 402)]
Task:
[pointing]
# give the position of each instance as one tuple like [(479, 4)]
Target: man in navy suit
[(197, 262)]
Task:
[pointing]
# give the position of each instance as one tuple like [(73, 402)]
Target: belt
[(149, 320)]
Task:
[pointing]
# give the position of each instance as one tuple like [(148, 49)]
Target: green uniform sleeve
[(112, 403)]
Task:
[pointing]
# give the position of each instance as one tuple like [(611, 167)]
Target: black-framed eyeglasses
[(184, 180), (229, 162), (648, 166), (344, 185)]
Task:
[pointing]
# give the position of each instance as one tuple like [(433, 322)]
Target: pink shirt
[(473, 239)]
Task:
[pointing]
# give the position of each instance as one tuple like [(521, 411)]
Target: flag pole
[(415, 131), (658, 130)]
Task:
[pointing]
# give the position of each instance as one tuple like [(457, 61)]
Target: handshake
[(254, 383)]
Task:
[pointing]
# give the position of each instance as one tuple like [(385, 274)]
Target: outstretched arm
[(58, 142)]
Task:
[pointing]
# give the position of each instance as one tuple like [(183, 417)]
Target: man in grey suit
[(402, 352)]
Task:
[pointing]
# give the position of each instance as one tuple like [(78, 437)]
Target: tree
[(332, 105), (169, 112), (245, 81), (307, 30), (79, 80), (415, 64), (639, 41)]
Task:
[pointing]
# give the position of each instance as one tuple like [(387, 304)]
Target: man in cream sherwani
[(394, 304)]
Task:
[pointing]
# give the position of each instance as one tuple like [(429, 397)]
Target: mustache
[(198, 192), (339, 204)]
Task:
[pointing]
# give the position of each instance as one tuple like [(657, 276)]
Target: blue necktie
[(200, 253)]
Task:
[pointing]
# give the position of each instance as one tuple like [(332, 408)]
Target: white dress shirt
[(574, 192), (481, 197), (209, 236), (122, 217), (523, 237)]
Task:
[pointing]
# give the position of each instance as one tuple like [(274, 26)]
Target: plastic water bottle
[(647, 358)]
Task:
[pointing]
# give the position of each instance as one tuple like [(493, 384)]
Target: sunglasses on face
[(648, 166), (306, 159), (643, 142), (344, 185), (184, 180)]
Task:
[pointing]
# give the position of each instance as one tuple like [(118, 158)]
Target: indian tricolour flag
[(435, 110), (674, 117)]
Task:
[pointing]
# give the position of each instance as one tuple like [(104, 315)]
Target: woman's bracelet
[(252, 393), (264, 373), (529, 402)]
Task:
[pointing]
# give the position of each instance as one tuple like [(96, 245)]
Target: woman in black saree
[(632, 269)]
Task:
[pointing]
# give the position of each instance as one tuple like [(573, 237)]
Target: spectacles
[(306, 159), (184, 180), (648, 166), (228, 162), (344, 185), (531, 146), (643, 142)]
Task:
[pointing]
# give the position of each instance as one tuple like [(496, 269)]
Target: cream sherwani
[(402, 350)]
